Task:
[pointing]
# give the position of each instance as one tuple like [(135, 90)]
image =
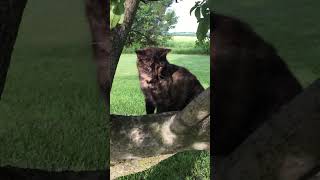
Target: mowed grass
[(126, 96), (188, 165), (51, 116)]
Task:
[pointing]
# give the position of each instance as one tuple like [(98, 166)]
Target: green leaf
[(205, 9), (119, 9), (202, 30), (194, 7), (115, 20), (116, 12), (197, 13)]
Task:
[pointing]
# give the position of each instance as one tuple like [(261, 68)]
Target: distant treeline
[(183, 34)]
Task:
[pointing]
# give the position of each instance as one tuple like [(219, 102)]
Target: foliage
[(201, 9), (202, 13), (116, 12), (204, 45), (151, 24)]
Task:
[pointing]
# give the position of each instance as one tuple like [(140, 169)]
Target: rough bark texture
[(286, 148), (108, 44), (250, 81), (150, 135), (10, 17), (119, 35), (97, 12)]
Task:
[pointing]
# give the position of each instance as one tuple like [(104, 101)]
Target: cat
[(166, 87)]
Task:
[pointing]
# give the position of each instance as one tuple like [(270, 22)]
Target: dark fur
[(166, 87), (250, 82)]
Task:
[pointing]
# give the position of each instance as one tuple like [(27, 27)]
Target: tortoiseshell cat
[(166, 87)]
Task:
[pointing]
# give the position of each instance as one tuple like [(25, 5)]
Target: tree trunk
[(97, 12), (150, 135), (11, 12), (119, 35), (108, 44), (285, 148)]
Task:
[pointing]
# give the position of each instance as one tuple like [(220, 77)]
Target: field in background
[(179, 45)]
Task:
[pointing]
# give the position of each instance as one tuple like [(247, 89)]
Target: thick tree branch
[(149, 135), (11, 12), (287, 147)]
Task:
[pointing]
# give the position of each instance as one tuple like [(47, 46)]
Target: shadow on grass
[(183, 165), (15, 173)]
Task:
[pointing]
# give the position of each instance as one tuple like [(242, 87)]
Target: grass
[(126, 96), (186, 165), (51, 116)]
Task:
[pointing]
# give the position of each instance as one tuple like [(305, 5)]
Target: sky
[(186, 23)]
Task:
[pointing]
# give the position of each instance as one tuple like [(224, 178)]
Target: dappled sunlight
[(294, 165), (168, 137), (202, 114), (201, 145), (137, 136)]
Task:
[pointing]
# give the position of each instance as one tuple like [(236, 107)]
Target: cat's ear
[(140, 53), (164, 52)]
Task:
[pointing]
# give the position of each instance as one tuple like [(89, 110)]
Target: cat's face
[(152, 60)]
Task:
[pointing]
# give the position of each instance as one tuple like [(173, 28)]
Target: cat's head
[(152, 57)]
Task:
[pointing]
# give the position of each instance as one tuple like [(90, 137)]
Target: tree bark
[(11, 12), (119, 35), (108, 44), (286, 148), (150, 135), (97, 12)]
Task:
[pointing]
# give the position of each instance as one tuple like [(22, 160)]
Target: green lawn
[(188, 165), (50, 113), (126, 96)]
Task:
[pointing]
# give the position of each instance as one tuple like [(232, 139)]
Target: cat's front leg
[(149, 106)]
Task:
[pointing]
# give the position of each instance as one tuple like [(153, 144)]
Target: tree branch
[(286, 147), (149, 135), (119, 34), (97, 12)]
